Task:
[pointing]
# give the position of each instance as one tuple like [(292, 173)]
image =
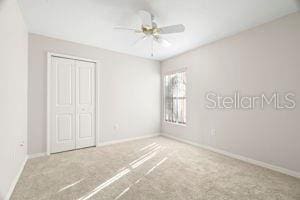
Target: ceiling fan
[(149, 29)]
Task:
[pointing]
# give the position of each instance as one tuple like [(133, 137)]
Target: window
[(175, 97)]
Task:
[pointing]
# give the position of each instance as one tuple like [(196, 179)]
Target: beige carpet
[(155, 168)]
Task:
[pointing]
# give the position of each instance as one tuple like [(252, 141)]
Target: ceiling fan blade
[(171, 29), (139, 40), (128, 29), (146, 18), (162, 41)]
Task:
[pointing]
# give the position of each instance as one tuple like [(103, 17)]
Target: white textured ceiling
[(91, 21)]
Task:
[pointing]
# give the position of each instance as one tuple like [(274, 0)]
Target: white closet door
[(63, 107), (85, 104)]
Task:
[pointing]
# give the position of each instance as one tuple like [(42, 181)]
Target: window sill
[(174, 123)]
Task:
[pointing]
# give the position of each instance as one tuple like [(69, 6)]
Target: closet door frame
[(50, 55)]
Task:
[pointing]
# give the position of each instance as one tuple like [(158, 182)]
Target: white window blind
[(175, 97)]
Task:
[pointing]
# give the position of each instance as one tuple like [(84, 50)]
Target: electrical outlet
[(213, 132), (116, 127), (22, 144)]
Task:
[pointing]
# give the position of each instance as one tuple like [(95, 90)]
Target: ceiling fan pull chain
[(152, 48)]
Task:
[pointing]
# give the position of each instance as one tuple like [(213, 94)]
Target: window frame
[(164, 74)]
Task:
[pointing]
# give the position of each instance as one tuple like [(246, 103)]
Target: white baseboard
[(15, 181), (36, 155), (235, 156), (126, 140)]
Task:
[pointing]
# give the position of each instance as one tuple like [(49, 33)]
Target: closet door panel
[(85, 106), (63, 107)]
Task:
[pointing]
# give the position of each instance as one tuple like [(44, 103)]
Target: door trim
[(97, 92)]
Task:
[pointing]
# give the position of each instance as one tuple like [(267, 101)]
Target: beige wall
[(13, 90), (263, 59), (129, 91)]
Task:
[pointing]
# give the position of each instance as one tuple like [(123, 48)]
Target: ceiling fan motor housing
[(150, 31)]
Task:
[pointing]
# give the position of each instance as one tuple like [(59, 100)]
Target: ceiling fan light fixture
[(150, 28)]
